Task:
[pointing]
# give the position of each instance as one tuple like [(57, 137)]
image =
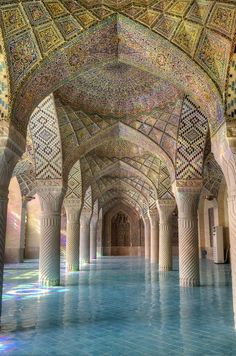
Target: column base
[(165, 268), (14, 255), (72, 268), (189, 282), (32, 253), (49, 282)]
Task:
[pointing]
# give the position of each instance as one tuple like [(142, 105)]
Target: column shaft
[(187, 201), (3, 224), (85, 237), (93, 238), (99, 236), (72, 236), (232, 236), (165, 208), (49, 252), (154, 246), (147, 237)]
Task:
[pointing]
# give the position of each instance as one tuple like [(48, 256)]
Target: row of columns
[(158, 235)]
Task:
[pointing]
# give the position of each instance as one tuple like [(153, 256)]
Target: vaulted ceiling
[(119, 93)]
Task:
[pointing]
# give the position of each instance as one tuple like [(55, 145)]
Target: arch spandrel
[(70, 60)]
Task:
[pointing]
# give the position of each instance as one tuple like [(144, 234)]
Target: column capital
[(153, 216), (188, 185), (165, 208), (51, 197)]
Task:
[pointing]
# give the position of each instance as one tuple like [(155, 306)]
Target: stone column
[(232, 236), (73, 208), (32, 239), (165, 209), (147, 236), (51, 198), (85, 218), (8, 160), (154, 234), (187, 199), (25, 200), (93, 237), (99, 234)]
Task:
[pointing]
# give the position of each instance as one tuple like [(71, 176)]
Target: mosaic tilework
[(48, 37), (4, 88), (121, 195), (36, 12), (212, 175), (160, 126), (13, 19), (69, 60), (213, 55), (23, 54), (74, 189), (109, 182), (199, 11), (24, 171), (191, 142), (87, 201), (164, 17), (223, 18), (231, 89), (46, 140)]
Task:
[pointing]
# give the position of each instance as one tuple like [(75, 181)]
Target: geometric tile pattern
[(87, 201), (46, 140), (213, 55), (161, 126), (24, 171), (231, 89), (74, 189), (4, 87), (212, 175), (178, 21), (192, 135)]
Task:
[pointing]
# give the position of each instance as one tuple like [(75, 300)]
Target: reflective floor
[(117, 306)]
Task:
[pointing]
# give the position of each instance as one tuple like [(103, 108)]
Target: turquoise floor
[(117, 306)]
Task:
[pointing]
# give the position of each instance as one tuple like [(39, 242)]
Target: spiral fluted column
[(85, 218), (49, 252), (147, 236), (187, 201), (73, 208), (165, 209), (154, 234), (93, 237)]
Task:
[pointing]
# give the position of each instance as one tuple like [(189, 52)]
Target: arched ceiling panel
[(41, 60)]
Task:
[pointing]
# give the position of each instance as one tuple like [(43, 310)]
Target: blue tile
[(117, 306)]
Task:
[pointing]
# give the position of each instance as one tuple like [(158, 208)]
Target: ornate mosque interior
[(117, 150)]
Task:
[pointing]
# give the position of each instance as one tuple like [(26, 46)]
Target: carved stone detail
[(73, 208), (51, 198), (187, 201)]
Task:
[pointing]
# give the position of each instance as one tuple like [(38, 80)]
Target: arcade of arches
[(118, 133)]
